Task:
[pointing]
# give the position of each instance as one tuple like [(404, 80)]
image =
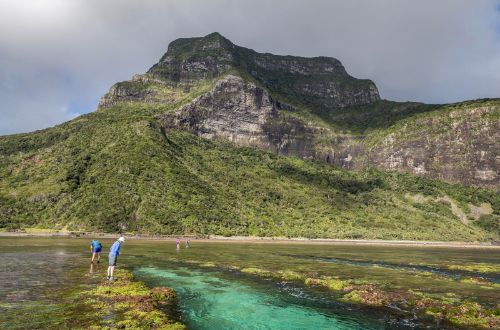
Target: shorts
[(98, 250), (112, 259)]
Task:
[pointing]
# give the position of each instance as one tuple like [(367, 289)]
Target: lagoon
[(236, 285)]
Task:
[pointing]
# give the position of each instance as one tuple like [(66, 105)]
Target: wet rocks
[(128, 304)]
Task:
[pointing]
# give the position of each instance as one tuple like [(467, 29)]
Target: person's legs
[(112, 264), (98, 257), (93, 257)]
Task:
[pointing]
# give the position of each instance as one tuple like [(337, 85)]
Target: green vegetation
[(456, 312), (477, 267), (408, 120), (128, 304), (118, 169)]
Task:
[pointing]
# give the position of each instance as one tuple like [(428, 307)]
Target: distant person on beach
[(114, 251), (177, 244), (187, 243), (95, 248)]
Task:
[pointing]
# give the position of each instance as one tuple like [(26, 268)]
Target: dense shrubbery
[(117, 170), (489, 222)]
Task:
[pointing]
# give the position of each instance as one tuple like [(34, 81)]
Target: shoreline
[(251, 239)]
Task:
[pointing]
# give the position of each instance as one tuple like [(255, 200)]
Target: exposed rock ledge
[(247, 115)]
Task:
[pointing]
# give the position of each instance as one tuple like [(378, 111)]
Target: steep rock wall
[(321, 80), (460, 145), (247, 115), (254, 102)]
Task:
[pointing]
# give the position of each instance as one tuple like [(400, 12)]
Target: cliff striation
[(457, 143)]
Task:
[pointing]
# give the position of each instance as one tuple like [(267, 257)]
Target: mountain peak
[(323, 80), (215, 36), (185, 47)]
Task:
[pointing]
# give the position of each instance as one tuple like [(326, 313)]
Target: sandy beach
[(264, 240)]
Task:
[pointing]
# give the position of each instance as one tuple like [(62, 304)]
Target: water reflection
[(26, 276)]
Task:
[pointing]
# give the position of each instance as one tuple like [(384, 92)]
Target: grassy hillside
[(117, 169)]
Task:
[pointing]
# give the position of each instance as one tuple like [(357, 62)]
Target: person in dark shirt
[(114, 251)]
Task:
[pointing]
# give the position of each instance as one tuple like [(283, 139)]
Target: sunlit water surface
[(38, 275), (211, 302)]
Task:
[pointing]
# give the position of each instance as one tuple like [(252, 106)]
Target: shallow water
[(37, 276), (454, 274), (210, 301)]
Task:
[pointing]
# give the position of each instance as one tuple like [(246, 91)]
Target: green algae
[(477, 267), (290, 275), (128, 304), (328, 282), (256, 271), (207, 264), (483, 283), (370, 295), (131, 289), (464, 314), (449, 308), (473, 314)]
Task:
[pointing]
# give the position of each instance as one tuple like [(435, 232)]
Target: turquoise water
[(38, 276), (208, 301)]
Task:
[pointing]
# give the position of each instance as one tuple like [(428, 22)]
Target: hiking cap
[(122, 239)]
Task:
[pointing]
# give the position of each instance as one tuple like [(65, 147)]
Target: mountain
[(219, 139), (311, 108)]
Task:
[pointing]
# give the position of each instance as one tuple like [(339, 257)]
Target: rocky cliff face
[(285, 104), (232, 110), (321, 79), (321, 82), (247, 115), (456, 145)]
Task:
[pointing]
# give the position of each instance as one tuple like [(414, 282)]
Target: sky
[(57, 57)]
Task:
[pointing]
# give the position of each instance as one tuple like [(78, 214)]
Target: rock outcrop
[(295, 106), (457, 145), (323, 79), (247, 115), (232, 110)]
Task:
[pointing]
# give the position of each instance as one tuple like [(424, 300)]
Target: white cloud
[(58, 56)]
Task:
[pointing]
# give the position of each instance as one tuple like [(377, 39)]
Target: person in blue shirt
[(95, 248), (114, 251)]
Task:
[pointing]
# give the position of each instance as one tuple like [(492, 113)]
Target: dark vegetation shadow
[(327, 179)]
